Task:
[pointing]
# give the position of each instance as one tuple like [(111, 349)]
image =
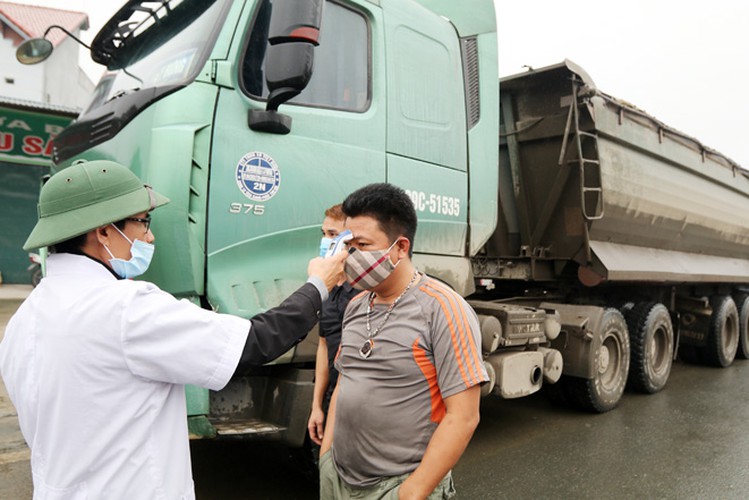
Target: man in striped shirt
[(410, 365)]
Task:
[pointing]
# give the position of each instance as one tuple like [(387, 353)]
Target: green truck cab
[(403, 91)]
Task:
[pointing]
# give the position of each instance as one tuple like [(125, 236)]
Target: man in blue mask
[(326, 376), (96, 364), (332, 226)]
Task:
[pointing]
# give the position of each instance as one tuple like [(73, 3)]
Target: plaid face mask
[(366, 270)]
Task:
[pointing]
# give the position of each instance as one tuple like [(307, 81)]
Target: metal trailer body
[(612, 189), (602, 205)]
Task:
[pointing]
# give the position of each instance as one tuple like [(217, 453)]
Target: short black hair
[(389, 205)]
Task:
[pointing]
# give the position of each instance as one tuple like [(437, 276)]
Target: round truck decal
[(258, 176)]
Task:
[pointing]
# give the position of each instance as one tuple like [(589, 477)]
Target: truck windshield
[(151, 44)]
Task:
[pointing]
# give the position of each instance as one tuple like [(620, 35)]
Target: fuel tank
[(589, 179)]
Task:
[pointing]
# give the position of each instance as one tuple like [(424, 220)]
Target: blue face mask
[(324, 245), (141, 254)]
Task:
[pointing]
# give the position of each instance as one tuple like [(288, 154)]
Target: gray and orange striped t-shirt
[(390, 403)]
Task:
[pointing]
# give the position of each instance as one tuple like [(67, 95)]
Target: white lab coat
[(96, 368)]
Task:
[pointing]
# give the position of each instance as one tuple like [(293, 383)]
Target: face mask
[(141, 254), (325, 245), (366, 270)]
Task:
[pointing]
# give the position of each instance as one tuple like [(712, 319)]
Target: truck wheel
[(604, 391), (723, 335), (651, 337), (742, 302)]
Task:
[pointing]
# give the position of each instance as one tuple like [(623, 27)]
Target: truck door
[(426, 125), (268, 191)]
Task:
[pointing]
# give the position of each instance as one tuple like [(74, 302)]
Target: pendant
[(366, 349)]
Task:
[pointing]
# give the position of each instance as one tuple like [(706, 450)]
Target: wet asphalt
[(689, 441)]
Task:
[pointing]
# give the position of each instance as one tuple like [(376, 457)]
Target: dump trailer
[(589, 238), (603, 205)]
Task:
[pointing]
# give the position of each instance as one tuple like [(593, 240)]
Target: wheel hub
[(604, 358), (652, 353)]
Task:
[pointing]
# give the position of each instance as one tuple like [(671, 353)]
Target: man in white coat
[(96, 364)]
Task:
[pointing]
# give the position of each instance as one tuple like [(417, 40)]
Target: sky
[(686, 62)]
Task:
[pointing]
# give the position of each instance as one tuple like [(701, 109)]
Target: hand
[(407, 492), (329, 269), (315, 425)]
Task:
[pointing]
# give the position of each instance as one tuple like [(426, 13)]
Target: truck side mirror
[(37, 50), (34, 51), (293, 35), (288, 70)]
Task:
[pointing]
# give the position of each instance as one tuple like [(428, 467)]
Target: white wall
[(62, 82), (28, 81)]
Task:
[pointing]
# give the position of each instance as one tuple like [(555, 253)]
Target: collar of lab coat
[(61, 264)]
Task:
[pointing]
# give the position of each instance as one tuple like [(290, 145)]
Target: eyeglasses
[(146, 222)]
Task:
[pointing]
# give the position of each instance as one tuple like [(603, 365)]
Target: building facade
[(36, 103), (58, 80)]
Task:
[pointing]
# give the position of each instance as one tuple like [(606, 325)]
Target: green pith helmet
[(88, 195)]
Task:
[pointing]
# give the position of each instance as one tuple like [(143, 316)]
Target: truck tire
[(651, 337), (723, 335), (742, 302), (604, 391)]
